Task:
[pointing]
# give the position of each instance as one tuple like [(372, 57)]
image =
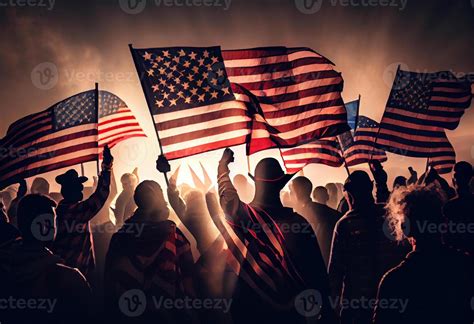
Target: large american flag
[(363, 149), (64, 135), (61, 136), (420, 107), (116, 121), (204, 98), (295, 94)]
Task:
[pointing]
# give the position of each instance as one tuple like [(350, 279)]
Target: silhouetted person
[(7, 196), (8, 232), (29, 271), (434, 282), (431, 176), (380, 178), (195, 214), (151, 254), (413, 176), (321, 195), (399, 181), (73, 241), (22, 190), (40, 186), (322, 218), (244, 188), (299, 266), (125, 205), (361, 252), (333, 195), (459, 211)]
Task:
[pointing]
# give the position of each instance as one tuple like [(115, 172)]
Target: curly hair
[(412, 205)]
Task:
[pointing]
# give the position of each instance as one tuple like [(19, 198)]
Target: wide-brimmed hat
[(70, 177)]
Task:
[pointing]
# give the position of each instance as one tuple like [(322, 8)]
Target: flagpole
[(248, 165), (378, 131), (97, 121), (343, 157), (82, 169), (150, 105)]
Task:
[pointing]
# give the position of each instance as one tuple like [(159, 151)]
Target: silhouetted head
[(358, 189), (40, 186), (150, 199), (332, 191), (462, 175), (413, 210), (321, 195), (35, 216), (399, 181), (300, 189), (129, 181), (243, 187), (270, 179), (72, 185)]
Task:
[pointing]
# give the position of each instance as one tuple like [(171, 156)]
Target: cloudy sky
[(85, 41)]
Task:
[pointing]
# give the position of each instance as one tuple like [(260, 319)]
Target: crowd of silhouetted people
[(268, 248)]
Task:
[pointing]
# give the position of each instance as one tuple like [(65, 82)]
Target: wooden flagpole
[(150, 105)]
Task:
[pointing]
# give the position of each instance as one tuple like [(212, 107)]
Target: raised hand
[(174, 179), (379, 174), (162, 164), (108, 158), (227, 157)]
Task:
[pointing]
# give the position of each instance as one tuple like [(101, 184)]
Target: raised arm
[(229, 199), (88, 208)]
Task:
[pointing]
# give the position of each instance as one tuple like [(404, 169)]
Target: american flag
[(325, 151), (204, 99), (191, 100), (363, 149), (420, 107), (116, 121), (61, 136), (295, 92), (64, 135)]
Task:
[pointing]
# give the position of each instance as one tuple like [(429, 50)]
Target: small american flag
[(116, 121), (61, 136), (420, 107), (204, 99), (64, 135), (363, 149)]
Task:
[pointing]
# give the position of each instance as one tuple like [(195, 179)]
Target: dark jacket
[(34, 273), (361, 254), (459, 212), (323, 220), (436, 285)]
